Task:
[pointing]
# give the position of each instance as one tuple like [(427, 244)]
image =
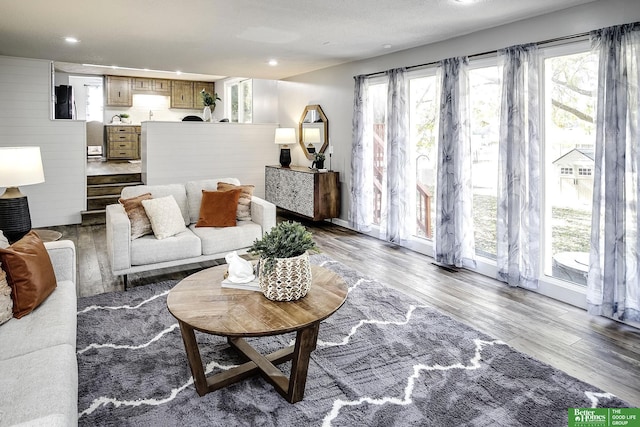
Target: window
[(239, 100), (570, 79), (584, 171), (88, 97), (378, 114), (568, 94), (566, 171), (484, 91), (423, 122)]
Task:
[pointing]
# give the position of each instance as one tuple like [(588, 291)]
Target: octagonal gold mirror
[(313, 131)]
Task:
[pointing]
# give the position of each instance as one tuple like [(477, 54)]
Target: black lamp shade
[(15, 220), (285, 157)]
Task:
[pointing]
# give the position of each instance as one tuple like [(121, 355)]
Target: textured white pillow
[(165, 216)]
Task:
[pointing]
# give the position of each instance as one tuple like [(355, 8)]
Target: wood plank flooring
[(594, 349)]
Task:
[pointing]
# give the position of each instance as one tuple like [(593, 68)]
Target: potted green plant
[(284, 272), (209, 102), (318, 161)]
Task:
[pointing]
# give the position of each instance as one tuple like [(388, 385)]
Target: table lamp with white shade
[(18, 166), (284, 137)]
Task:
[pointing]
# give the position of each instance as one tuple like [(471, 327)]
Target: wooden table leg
[(305, 343), (195, 361), (291, 388)]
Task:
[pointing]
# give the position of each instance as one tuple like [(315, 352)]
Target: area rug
[(383, 359)]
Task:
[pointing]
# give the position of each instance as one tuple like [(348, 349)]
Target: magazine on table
[(253, 285)]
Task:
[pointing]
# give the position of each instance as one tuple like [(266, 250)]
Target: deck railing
[(423, 196)]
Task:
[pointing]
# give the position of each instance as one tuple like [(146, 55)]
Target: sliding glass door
[(423, 122), (569, 133)]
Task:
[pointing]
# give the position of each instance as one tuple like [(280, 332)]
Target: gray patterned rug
[(382, 359)]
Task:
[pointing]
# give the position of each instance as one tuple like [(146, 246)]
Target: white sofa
[(38, 366), (191, 246)]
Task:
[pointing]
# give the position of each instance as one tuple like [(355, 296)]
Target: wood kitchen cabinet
[(119, 91), (123, 142), (151, 86), (197, 88), (162, 86), (181, 94), (309, 193), (141, 84)]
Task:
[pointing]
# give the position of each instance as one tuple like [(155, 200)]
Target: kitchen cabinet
[(181, 94), (119, 91), (197, 88), (152, 86), (141, 84), (309, 193), (162, 86), (123, 142)]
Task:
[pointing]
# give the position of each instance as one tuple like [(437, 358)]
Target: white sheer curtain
[(395, 225), (613, 284), (361, 207), (454, 243), (518, 227)]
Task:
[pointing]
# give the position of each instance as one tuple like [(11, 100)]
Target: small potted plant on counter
[(209, 102), (318, 162), (285, 273)]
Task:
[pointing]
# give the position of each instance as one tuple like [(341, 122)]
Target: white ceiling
[(237, 38)]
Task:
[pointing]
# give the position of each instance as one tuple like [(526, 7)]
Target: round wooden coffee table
[(199, 303)]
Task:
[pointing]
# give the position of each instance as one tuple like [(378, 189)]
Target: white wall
[(180, 152), (265, 101), (332, 88), (25, 112)]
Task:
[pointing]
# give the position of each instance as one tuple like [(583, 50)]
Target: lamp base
[(285, 157), (15, 220)]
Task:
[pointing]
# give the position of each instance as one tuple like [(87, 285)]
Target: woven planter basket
[(289, 280)]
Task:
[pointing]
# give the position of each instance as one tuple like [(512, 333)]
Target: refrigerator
[(64, 102)]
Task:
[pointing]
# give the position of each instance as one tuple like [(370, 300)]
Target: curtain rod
[(549, 42)]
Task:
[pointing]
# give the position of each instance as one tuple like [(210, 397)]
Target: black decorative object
[(15, 220), (284, 137), (285, 157)]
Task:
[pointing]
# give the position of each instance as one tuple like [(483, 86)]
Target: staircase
[(103, 190)]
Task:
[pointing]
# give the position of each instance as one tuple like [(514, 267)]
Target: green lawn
[(570, 227)]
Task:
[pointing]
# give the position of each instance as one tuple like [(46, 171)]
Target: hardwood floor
[(594, 349)]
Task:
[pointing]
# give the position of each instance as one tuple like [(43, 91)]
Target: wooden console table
[(307, 192)]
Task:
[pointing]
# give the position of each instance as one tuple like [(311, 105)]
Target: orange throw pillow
[(218, 208), (29, 273)]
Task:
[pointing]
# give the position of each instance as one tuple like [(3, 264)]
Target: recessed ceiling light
[(386, 46), (178, 72), (273, 62), (71, 40)]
